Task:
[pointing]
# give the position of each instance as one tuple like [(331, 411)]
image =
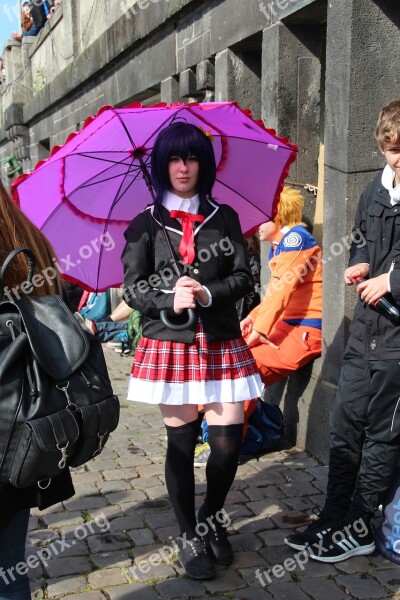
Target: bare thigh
[(224, 413), (174, 416)]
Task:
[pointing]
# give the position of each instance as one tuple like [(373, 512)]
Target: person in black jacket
[(16, 230), (207, 363), (365, 418)]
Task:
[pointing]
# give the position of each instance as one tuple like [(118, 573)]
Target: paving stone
[(172, 588), (253, 525), (360, 587), (56, 508), (106, 577), (58, 567), (86, 503), (151, 470), (320, 472), (262, 574), (165, 534), (160, 519), (236, 497), (133, 461), (106, 487), (141, 537), (95, 595), (287, 591), (252, 593), (98, 465), (303, 488), (132, 590), (226, 581), (389, 579), (125, 496), (65, 585), (242, 560), (119, 558), (33, 523), (84, 489), (245, 541), (132, 521), (156, 491), (260, 493), (41, 537), (128, 474), (36, 589), (288, 519), (298, 503), (145, 571), (358, 564), (327, 590), (77, 548), (145, 483), (268, 507), (276, 554), (379, 562), (107, 542), (64, 519)]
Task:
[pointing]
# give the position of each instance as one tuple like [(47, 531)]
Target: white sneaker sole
[(362, 551), (295, 546)]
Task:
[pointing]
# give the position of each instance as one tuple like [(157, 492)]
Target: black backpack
[(57, 404)]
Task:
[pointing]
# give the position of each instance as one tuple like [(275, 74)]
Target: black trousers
[(365, 434)]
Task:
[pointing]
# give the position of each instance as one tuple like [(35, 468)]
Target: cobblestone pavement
[(111, 539)]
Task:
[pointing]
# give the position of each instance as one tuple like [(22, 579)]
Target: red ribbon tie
[(186, 247)]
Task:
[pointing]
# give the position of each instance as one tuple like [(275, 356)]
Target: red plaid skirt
[(166, 363)]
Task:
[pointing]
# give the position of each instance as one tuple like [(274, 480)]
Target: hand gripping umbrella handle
[(174, 326)]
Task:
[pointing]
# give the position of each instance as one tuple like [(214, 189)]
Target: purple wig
[(181, 139)]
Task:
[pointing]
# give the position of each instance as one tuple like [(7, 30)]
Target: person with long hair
[(16, 230), (207, 363)]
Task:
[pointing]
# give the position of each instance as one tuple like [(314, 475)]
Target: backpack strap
[(10, 257)]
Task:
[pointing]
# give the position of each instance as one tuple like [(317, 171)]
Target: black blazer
[(221, 264)]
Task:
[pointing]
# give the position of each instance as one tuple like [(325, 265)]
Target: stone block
[(205, 75), (187, 84)]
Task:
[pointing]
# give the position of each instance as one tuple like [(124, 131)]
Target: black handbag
[(57, 404)]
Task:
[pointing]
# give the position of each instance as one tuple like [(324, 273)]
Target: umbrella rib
[(243, 197)]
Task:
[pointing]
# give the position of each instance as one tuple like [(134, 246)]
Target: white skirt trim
[(195, 392)]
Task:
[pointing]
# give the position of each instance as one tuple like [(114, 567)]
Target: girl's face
[(183, 175), (267, 231), (27, 10)]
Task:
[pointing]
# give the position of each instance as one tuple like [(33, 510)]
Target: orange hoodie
[(294, 293)]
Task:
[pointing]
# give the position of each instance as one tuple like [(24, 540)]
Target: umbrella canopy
[(84, 196)]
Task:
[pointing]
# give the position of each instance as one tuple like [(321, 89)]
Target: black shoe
[(353, 539), (215, 538), (313, 533), (195, 559)]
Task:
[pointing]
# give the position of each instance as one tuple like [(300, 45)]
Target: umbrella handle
[(174, 326)]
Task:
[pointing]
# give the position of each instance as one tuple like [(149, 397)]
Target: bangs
[(187, 142)]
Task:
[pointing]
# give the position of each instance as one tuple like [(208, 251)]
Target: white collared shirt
[(173, 202), (388, 183)]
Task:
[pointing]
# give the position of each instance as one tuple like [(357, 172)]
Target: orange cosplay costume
[(290, 314)]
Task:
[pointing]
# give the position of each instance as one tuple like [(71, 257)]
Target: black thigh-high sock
[(225, 443), (179, 473)]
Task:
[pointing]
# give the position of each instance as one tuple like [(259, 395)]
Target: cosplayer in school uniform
[(208, 363)]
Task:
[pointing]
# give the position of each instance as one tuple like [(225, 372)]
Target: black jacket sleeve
[(359, 248)]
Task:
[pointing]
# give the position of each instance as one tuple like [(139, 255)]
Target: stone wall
[(314, 70)]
